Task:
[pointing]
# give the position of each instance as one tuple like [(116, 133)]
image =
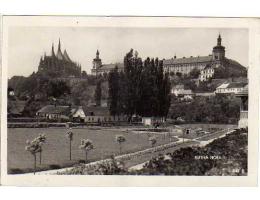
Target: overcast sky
[(28, 44)]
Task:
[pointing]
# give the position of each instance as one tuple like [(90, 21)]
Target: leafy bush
[(214, 109)]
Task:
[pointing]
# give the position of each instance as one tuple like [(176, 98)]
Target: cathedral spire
[(59, 53), (59, 48), (52, 50)]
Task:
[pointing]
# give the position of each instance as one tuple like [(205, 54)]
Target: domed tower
[(97, 61), (218, 52)]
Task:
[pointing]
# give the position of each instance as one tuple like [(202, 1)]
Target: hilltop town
[(61, 82), (134, 117)]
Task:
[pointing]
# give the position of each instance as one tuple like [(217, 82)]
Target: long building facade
[(59, 64), (205, 64)]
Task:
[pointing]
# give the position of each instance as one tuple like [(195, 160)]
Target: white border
[(43, 180)]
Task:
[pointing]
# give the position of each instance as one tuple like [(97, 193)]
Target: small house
[(177, 89), (151, 121), (99, 114), (230, 88), (57, 112)]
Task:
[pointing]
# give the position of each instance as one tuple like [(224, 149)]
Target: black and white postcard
[(129, 101)]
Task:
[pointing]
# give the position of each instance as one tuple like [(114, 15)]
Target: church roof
[(66, 56), (187, 60), (59, 54)]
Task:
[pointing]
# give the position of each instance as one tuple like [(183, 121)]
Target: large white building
[(205, 64)]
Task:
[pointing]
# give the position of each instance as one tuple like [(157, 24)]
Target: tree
[(98, 93), (57, 88), (142, 89), (33, 147), (41, 140), (113, 92), (86, 145), (120, 139), (179, 74), (132, 77), (69, 135), (195, 73), (84, 74), (152, 141)]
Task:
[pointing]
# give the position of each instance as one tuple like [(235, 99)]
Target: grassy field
[(56, 149)]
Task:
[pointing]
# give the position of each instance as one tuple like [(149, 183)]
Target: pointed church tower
[(97, 54), (218, 52), (52, 50), (59, 45), (59, 53), (97, 61)]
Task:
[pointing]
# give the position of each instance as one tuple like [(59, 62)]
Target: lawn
[(56, 148)]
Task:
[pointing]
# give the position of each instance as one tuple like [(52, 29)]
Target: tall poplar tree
[(113, 92), (98, 93)]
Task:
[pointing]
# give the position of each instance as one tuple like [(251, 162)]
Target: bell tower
[(218, 52), (97, 61)]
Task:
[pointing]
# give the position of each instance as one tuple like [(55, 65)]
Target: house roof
[(198, 59), (97, 111), (237, 85), (223, 86), (232, 85), (64, 110), (52, 109), (74, 109)]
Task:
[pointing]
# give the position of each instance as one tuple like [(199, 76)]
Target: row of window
[(100, 118)]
